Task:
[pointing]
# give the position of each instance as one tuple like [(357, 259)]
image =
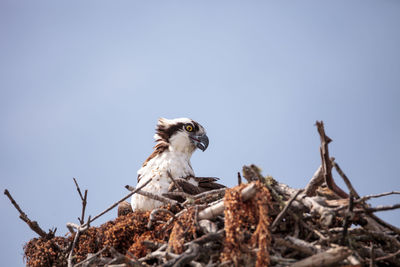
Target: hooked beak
[(200, 141)]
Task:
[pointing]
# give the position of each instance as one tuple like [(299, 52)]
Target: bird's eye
[(189, 128)]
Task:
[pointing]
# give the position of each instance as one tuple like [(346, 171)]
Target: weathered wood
[(331, 256), (326, 161), (315, 182)]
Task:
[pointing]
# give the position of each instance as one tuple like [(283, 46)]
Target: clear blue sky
[(82, 84)]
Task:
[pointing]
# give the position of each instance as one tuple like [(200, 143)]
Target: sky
[(83, 83)]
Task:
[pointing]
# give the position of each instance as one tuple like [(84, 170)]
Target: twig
[(153, 196), (326, 162), (280, 215), (116, 203), (345, 179), (367, 197), (378, 208), (239, 178), (84, 202), (32, 224)]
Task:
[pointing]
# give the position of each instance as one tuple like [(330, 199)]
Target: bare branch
[(152, 196), (345, 179), (367, 197), (119, 201), (378, 208), (84, 202), (32, 224), (326, 162)]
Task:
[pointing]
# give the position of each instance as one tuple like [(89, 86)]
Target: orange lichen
[(184, 230), (125, 233), (121, 235), (246, 227), (46, 252)]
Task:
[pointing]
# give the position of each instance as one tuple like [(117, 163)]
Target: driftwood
[(261, 223)]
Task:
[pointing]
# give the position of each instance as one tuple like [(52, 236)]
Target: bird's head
[(182, 134)]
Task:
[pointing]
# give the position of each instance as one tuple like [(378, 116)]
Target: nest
[(258, 223)]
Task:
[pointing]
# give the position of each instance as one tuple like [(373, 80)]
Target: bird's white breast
[(176, 163)]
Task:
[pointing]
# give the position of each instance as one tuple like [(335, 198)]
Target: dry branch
[(119, 201), (345, 179), (84, 202), (32, 224), (378, 208), (326, 161), (152, 196)]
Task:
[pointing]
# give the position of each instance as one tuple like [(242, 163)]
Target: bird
[(176, 140)]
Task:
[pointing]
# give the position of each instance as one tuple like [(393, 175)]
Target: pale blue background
[(83, 83)]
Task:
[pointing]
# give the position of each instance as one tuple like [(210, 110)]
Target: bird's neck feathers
[(178, 147), (180, 143)]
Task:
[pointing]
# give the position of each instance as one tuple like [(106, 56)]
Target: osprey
[(176, 140)]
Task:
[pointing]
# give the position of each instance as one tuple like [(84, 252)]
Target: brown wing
[(208, 183), (205, 184)]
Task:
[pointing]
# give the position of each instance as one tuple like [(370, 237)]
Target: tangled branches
[(258, 223)]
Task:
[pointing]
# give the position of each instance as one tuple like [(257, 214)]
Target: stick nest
[(258, 223)]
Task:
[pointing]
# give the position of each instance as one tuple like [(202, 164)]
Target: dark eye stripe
[(166, 133), (196, 126)]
